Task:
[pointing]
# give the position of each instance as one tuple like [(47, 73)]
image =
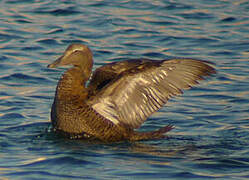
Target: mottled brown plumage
[(120, 96)]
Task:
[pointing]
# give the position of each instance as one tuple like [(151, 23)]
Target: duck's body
[(120, 95)]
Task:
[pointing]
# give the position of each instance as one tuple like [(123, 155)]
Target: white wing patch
[(105, 108)]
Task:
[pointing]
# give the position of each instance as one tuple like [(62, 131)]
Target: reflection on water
[(211, 135)]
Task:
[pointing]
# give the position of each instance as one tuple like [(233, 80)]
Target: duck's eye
[(75, 50)]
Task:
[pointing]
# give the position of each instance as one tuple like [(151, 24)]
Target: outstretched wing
[(142, 90)]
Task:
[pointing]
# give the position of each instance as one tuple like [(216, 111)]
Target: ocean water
[(211, 135)]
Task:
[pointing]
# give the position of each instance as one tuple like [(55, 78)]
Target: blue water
[(211, 138)]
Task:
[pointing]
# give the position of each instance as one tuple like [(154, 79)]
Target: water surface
[(211, 138)]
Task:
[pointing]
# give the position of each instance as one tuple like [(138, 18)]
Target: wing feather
[(136, 94)]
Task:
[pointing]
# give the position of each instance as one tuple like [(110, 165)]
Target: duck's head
[(78, 55)]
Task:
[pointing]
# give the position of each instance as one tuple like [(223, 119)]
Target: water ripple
[(210, 139), (20, 79)]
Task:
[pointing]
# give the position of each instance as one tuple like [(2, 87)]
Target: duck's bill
[(56, 63)]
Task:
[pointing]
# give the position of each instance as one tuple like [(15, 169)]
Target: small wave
[(12, 116), (196, 15), (57, 12), (21, 78), (50, 42), (228, 19)]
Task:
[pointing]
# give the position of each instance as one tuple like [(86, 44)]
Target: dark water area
[(211, 135)]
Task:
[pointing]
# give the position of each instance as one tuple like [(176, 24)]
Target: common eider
[(119, 96)]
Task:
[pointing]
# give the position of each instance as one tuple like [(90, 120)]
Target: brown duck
[(120, 96)]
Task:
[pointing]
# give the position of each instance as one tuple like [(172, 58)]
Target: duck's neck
[(71, 86)]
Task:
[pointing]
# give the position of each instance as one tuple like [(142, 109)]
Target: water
[(211, 138)]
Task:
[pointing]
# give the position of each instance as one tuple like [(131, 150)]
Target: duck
[(111, 103)]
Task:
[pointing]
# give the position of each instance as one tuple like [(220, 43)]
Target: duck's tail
[(158, 134)]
